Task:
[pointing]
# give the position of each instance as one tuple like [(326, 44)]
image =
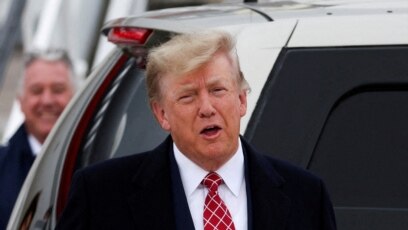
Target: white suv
[(329, 92)]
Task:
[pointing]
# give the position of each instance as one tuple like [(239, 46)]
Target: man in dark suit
[(204, 175), (44, 91)]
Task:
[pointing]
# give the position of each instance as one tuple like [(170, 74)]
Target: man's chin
[(45, 129), (215, 150)]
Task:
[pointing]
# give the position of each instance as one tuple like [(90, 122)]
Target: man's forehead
[(196, 80), (45, 77), (43, 66)]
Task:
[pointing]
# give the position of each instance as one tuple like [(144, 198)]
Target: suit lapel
[(151, 201), (182, 213), (268, 206)]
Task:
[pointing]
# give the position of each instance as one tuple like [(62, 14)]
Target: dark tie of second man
[(216, 214)]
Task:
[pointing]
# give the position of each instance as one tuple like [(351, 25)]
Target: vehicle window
[(362, 156), (342, 113), (304, 86), (123, 124), (363, 150)]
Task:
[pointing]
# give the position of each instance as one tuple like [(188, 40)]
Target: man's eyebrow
[(192, 86), (185, 88), (213, 81)]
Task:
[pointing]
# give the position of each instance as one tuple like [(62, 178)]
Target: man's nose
[(206, 108), (47, 97)]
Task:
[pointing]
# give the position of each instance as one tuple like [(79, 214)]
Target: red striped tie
[(216, 214)]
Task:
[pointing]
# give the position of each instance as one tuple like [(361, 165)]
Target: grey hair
[(187, 52), (51, 55)]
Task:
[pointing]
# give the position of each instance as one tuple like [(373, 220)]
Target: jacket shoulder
[(124, 168)]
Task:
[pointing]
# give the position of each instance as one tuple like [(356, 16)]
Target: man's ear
[(20, 99), (160, 115), (243, 102)]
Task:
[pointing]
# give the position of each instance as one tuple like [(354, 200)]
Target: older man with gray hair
[(47, 85)]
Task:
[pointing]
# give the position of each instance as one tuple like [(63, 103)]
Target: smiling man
[(204, 175), (44, 91)]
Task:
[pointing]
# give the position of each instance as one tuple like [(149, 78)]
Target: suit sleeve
[(328, 220), (76, 213)]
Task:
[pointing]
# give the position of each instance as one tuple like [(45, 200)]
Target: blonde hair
[(187, 52)]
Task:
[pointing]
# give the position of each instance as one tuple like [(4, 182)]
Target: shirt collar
[(232, 172), (35, 145)]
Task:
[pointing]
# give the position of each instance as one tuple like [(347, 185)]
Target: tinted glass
[(342, 113), (362, 156), (362, 152), (124, 123)]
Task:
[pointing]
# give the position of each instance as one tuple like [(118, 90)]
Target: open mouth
[(210, 130)]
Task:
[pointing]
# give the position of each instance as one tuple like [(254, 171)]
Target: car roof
[(318, 23)]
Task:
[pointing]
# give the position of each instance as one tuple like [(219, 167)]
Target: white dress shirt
[(232, 191), (35, 145)]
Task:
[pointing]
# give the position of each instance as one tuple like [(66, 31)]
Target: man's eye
[(36, 90), (59, 89), (185, 98), (218, 91)]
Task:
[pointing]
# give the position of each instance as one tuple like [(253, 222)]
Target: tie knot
[(212, 181)]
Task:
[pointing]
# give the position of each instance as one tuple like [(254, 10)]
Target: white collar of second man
[(35, 145)]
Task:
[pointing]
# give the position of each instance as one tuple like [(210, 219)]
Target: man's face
[(202, 111), (47, 89)]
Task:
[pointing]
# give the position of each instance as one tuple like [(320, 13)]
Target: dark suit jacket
[(16, 159), (137, 192)]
